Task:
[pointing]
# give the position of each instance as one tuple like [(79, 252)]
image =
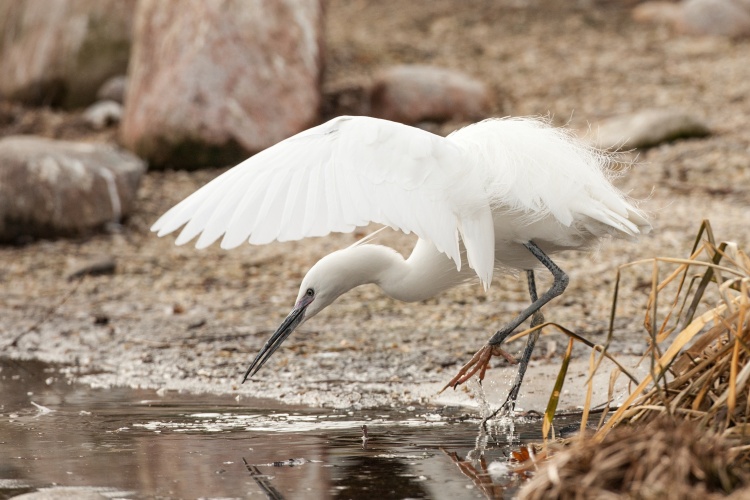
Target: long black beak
[(291, 322)]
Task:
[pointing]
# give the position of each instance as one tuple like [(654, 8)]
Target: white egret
[(498, 195)]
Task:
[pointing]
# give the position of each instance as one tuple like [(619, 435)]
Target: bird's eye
[(310, 292)]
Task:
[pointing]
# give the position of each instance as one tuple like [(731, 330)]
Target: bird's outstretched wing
[(345, 173)]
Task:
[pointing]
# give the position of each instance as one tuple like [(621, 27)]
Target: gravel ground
[(180, 319)]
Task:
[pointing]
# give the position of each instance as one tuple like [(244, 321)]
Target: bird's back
[(545, 185)]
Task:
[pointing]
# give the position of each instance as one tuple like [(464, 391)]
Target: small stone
[(647, 128), (113, 89), (97, 267), (414, 93), (103, 114), (56, 188), (658, 12), (101, 319), (729, 18)]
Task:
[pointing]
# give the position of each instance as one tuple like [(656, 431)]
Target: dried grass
[(700, 364), (684, 430), (667, 460)]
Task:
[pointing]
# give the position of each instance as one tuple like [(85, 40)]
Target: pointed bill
[(290, 323)]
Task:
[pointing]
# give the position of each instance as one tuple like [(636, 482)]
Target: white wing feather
[(345, 173), (536, 181)]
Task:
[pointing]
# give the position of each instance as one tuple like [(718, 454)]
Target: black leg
[(558, 287), (480, 361), (537, 318)]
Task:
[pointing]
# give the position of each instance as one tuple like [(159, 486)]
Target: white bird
[(498, 195)]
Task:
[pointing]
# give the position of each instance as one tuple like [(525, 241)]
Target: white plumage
[(479, 196), (534, 181)]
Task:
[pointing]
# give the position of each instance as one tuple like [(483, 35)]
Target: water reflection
[(179, 446)]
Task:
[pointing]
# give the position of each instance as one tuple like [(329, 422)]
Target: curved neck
[(423, 275)]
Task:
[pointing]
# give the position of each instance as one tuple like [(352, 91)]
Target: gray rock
[(57, 188), (729, 18), (102, 114), (715, 17), (414, 93), (60, 53), (647, 128), (93, 267), (113, 89), (210, 82)]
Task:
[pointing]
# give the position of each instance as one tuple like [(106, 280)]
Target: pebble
[(95, 267), (103, 114), (113, 89), (728, 18)]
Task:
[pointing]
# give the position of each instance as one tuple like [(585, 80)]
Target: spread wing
[(345, 173)]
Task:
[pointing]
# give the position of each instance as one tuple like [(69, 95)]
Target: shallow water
[(139, 444)]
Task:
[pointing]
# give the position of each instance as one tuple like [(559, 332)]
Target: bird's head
[(328, 279)]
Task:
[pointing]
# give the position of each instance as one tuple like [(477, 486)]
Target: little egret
[(499, 195)]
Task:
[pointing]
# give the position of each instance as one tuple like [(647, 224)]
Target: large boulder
[(57, 188), (60, 52), (211, 82), (414, 93)]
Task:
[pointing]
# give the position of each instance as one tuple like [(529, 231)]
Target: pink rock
[(60, 52), (210, 82), (414, 93)]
